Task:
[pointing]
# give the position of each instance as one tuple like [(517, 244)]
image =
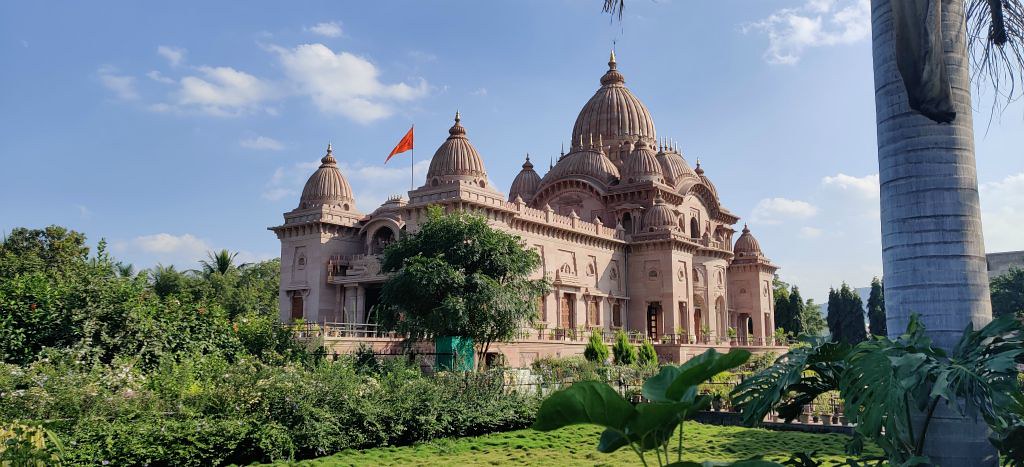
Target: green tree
[(647, 356), (813, 321), (51, 248), (596, 350), (166, 280), (623, 353), (876, 308), (846, 315), (1008, 293), (458, 276), (794, 314), (220, 262)]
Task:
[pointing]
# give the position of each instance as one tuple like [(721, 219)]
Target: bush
[(647, 357), (596, 351), (622, 351)]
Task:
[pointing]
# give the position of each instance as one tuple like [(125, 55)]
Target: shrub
[(648, 356), (622, 351), (596, 351)]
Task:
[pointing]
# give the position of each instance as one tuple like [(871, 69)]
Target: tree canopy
[(458, 276), (876, 308), (846, 315), (1008, 293)]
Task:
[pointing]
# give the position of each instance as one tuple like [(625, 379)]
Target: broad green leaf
[(701, 368), (655, 423), (655, 387), (588, 402), (611, 441)]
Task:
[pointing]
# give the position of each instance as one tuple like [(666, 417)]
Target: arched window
[(381, 239), (627, 223), (694, 228)]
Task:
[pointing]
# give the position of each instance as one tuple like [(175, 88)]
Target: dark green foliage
[(1008, 293), (623, 353), (596, 350), (876, 309), (883, 382), (813, 321), (200, 372), (846, 316), (458, 276), (645, 427), (794, 324), (647, 356)]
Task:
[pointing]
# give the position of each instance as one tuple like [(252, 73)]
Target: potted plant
[(731, 332)]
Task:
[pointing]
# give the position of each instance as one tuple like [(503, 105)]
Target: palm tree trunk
[(933, 254)]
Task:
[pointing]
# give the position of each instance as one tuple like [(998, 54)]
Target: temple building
[(630, 234)]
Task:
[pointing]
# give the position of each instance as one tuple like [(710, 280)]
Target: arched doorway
[(627, 223), (723, 320), (744, 328), (700, 326)]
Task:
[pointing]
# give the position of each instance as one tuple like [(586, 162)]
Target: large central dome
[(614, 113)]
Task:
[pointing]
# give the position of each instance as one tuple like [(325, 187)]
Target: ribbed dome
[(746, 245), (660, 215), (327, 186), (674, 166), (456, 159), (642, 164), (614, 113), (584, 162), (526, 183)]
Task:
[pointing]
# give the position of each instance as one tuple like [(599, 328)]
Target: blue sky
[(174, 128)]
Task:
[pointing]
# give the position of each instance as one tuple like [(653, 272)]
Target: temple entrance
[(297, 305), (567, 319), (653, 319)]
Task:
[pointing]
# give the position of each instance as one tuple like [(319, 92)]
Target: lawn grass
[(576, 445)]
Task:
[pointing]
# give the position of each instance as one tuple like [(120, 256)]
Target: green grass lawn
[(576, 445)]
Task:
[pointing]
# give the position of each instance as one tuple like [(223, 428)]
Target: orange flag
[(404, 145)]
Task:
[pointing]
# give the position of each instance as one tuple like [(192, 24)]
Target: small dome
[(704, 179), (584, 162), (674, 166), (660, 215), (746, 245), (642, 164), (456, 159), (327, 186), (614, 113), (526, 183)]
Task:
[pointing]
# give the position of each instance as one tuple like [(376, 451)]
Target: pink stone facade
[(629, 234)]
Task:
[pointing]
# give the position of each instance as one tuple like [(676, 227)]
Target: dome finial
[(699, 170), (328, 159), (611, 59), (458, 117), (745, 228)]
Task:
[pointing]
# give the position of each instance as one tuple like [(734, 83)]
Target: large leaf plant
[(892, 387), (671, 395)]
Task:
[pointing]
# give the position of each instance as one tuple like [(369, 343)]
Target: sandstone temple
[(630, 234)]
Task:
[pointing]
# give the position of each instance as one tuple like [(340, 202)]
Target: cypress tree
[(876, 308), (846, 315), (795, 313), (783, 315)]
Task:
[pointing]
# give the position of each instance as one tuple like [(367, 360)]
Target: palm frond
[(995, 35), (794, 380), (614, 7)]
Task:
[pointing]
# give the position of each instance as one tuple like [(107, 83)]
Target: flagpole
[(412, 162)]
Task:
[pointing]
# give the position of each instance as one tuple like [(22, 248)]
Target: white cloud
[(865, 187), (159, 77), (262, 143), (183, 250), (480, 92), (343, 83), (121, 85), (223, 91), (287, 182), (810, 232), (817, 23), (328, 29), (775, 210), (175, 55), (1002, 213)]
